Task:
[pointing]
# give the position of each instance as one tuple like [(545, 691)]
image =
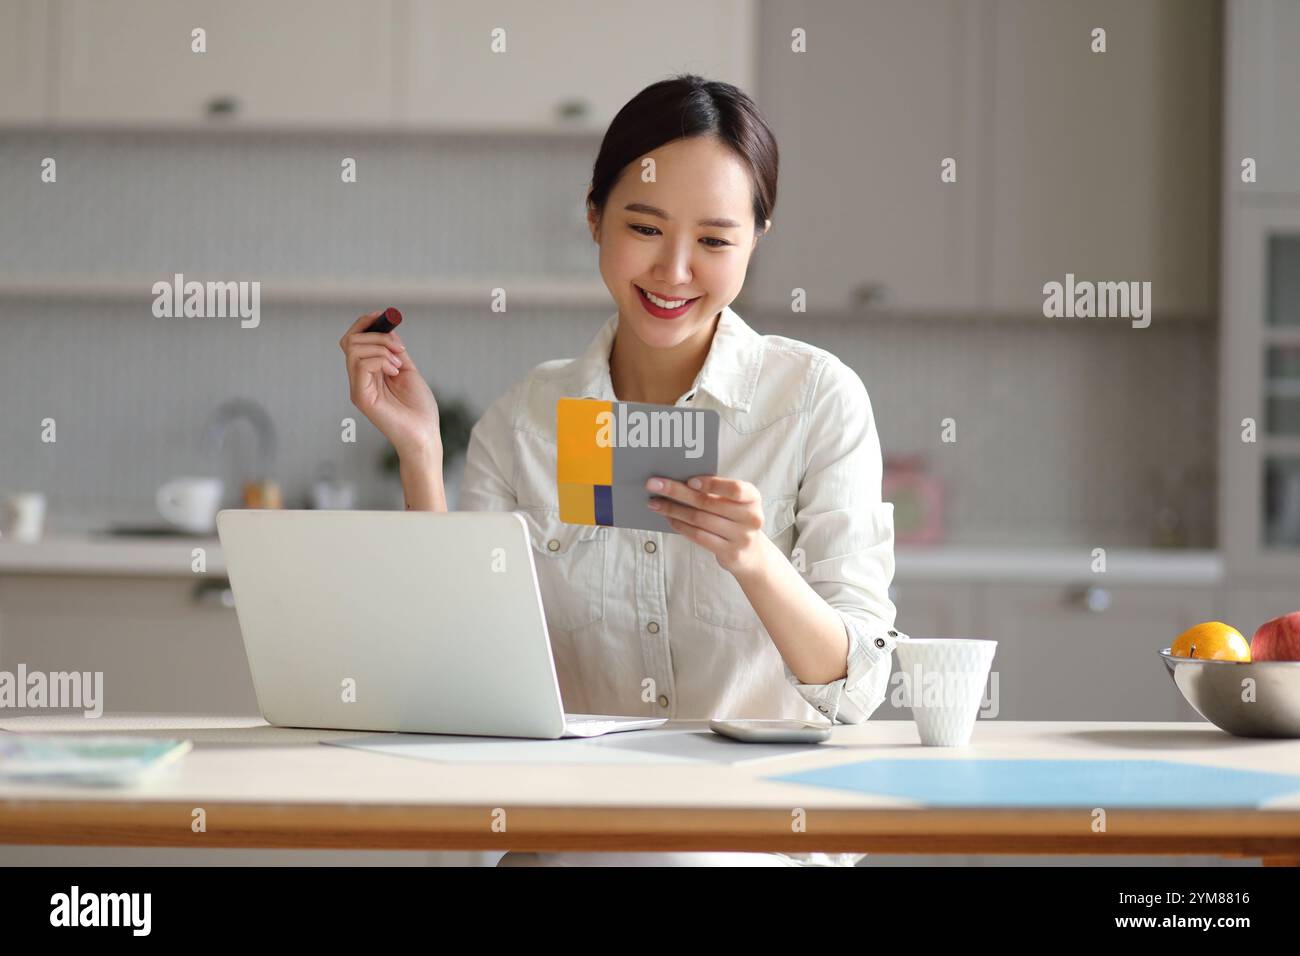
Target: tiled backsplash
[(1059, 426)]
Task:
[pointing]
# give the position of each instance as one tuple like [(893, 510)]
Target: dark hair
[(683, 106)]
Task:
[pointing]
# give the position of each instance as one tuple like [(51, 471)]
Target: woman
[(771, 600)]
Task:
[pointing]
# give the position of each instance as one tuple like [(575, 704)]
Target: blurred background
[(1109, 486)]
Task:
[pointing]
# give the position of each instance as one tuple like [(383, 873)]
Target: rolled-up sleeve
[(488, 483), (844, 537)]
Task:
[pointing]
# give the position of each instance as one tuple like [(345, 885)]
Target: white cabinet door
[(1104, 165), (157, 648), (24, 61), (566, 63), (884, 94), (1065, 653), (937, 609), (1262, 79), (1251, 606), (290, 62)]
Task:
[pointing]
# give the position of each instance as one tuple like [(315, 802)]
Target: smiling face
[(685, 239)]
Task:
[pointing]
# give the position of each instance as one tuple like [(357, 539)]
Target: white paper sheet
[(628, 747)]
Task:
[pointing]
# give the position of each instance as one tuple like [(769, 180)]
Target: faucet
[(241, 409)]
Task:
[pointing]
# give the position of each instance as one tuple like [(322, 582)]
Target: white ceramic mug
[(945, 678), (24, 517), (191, 504)]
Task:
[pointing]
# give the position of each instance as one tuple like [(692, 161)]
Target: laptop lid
[(423, 622)]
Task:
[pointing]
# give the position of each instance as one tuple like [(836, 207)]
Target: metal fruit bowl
[(1214, 689)]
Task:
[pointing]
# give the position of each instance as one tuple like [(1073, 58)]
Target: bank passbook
[(607, 451)]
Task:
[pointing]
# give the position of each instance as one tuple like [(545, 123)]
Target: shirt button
[(880, 642), (553, 545), (653, 627), (822, 709), (663, 700), (650, 547), (893, 634)]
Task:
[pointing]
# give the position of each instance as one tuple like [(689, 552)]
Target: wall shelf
[(531, 291)]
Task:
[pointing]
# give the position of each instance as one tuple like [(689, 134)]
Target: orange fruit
[(1212, 641)]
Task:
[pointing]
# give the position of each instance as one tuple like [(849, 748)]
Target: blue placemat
[(1052, 783)]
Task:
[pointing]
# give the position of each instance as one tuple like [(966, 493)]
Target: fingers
[(356, 334), (362, 322), (364, 353), (365, 373), (407, 360), (388, 339), (378, 364), (732, 488), (705, 539), (364, 389), (746, 512), (718, 525)]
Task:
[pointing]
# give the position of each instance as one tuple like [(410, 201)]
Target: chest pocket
[(716, 597), (570, 561)]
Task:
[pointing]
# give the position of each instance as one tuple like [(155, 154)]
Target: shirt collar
[(729, 374)]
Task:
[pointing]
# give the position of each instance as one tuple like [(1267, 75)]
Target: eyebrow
[(656, 211)]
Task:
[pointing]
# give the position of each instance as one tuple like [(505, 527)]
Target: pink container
[(917, 498)]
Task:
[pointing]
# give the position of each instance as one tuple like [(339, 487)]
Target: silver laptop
[(423, 622)]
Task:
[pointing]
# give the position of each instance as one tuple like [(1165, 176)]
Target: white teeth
[(664, 303)]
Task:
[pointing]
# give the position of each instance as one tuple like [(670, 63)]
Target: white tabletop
[(243, 759)]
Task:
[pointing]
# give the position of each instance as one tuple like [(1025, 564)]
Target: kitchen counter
[(111, 555), (172, 556), (1058, 565)]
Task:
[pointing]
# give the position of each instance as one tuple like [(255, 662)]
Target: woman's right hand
[(388, 389)]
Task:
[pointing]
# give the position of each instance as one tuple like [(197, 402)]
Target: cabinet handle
[(213, 593), (1090, 598), (870, 294), (574, 109), (222, 106)]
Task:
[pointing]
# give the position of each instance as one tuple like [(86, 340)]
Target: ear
[(593, 222)]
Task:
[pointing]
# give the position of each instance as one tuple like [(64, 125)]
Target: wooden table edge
[(1270, 834)]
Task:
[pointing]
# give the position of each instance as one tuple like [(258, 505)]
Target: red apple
[(1277, 640)]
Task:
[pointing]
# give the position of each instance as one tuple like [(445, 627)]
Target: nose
[(674, 266)]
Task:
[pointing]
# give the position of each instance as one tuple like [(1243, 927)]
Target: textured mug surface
[(946, 679)]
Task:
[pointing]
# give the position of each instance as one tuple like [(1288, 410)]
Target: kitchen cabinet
[(1101, 165), (1249, 606), (1259, 415), (1104, 165), (158, 648), (292, 62), (1262, 83), (1259, 437), (934, 609), (565, 64), (1089, 650), (373, 63), (885, 92), (24, 61), (1069, 647)]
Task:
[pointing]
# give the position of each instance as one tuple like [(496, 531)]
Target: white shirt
[(647, 622)]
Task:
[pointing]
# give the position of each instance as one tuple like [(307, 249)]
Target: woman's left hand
[(724, 515)]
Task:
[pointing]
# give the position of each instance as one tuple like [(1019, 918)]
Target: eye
[(713, 242)]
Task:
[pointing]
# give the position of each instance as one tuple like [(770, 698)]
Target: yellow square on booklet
[(607, 451)]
